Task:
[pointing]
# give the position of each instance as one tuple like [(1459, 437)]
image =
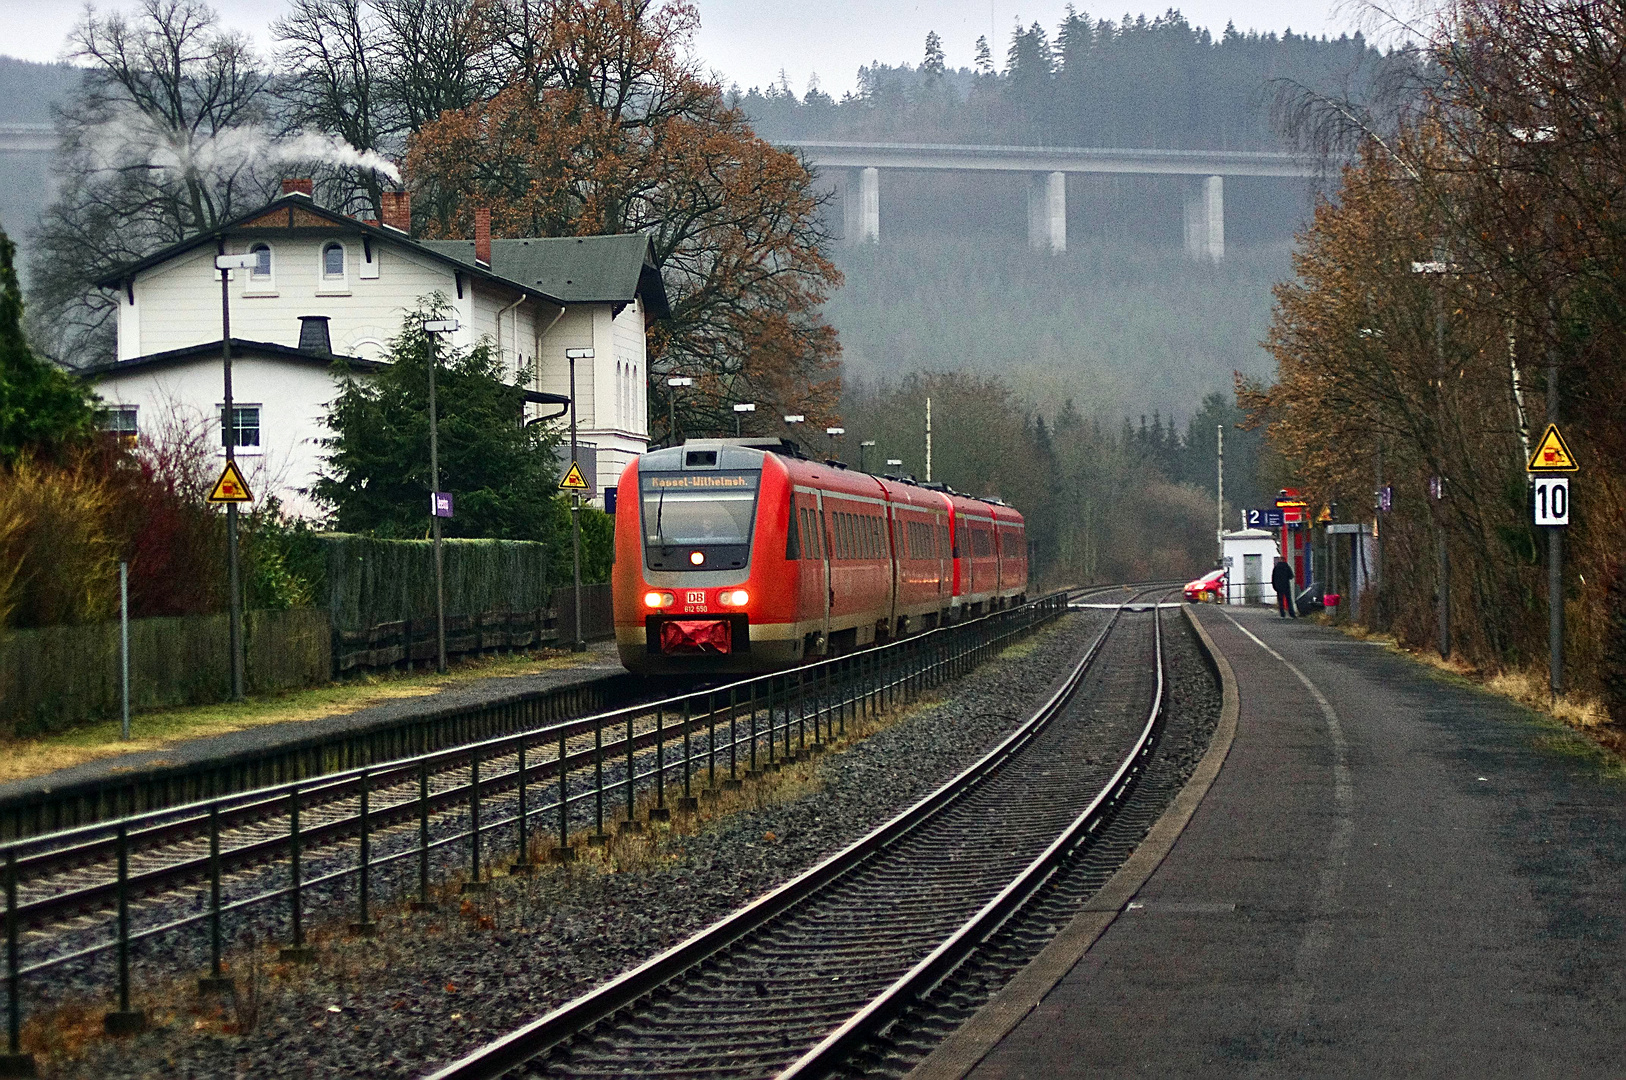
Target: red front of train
[(730, 557)]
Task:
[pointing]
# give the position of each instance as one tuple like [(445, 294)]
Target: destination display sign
[(690, 481)]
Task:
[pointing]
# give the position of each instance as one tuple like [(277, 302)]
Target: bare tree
[(151, 152), (333, 67)]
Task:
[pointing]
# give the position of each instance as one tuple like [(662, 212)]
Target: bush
[(58, 559)]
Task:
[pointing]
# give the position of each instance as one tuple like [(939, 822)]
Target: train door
[(829, 579), (894, 557)]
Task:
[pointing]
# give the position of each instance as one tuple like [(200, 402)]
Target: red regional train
[(739, 555)]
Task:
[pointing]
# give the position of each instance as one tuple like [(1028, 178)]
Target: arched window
[(262, 268), (333, 261)]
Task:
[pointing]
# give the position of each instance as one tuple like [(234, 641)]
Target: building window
[(120, 420), (262, 268), (333, 262), (245, 427)]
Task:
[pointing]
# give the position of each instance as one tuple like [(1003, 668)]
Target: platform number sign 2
[(1552, 500)]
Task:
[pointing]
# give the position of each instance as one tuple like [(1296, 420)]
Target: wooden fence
[(411, 642), (60, 676)]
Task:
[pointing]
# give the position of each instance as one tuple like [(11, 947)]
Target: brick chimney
[(397, 208), (301, 185), (482, 236)]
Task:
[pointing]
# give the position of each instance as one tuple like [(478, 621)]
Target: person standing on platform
[(1281, 579)]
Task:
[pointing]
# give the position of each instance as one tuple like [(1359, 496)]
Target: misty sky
[(750, 41)]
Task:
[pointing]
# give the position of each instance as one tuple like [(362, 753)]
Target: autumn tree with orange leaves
[(1504, 171), (606, 125)]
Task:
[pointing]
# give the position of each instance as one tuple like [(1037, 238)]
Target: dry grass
[(160, 729), (1526, 686)]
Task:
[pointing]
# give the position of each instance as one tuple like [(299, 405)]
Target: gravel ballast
[(432, 986)]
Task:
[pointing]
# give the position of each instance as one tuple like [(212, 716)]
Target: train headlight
[(734, 597), (696, 558), (653, 599)]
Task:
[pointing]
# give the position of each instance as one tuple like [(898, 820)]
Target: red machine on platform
[(738, 555)]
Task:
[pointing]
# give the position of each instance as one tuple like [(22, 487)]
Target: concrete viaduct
[(856, 168)]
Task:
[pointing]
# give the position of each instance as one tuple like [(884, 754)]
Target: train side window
[(793, 547)]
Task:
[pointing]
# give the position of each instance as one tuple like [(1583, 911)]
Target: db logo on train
[(695, 596)]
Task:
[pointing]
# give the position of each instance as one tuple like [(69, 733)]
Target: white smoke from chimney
[(132, 140)]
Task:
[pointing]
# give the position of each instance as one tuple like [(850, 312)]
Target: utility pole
[(577, 644), (1219, 489), (1555, 541), (434, 328), (928, 440)]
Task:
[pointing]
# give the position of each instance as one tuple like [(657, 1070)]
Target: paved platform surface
[(600, 661), (1409, 877)]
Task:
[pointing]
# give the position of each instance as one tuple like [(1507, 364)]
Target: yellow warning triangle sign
[(574, 480), (231, 487), (1553, 454)]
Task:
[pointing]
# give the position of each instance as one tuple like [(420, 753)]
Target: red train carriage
[(736, 556)]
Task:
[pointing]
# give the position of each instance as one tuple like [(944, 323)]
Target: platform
[(1392, 874), (599, 663)]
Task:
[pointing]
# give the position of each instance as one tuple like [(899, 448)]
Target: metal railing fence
[(492, 786)]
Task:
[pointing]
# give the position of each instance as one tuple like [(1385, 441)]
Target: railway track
[(800, 981), (67, 888)]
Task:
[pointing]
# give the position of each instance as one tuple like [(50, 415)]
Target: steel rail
[(941, 962), (559, 1026), (152, 826)]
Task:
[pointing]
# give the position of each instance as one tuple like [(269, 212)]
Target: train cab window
[(698, 521)]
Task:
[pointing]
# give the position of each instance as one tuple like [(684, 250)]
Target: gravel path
[(434, 985)]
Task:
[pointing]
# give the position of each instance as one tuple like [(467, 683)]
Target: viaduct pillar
[(861, 207), (1047, 211), (1205, 219)]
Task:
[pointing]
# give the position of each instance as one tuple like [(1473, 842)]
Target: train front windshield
[(698, 520)]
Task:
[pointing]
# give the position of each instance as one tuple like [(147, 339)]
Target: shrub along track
[(801, 980)]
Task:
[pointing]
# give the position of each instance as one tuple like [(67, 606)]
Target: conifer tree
[(42, 408)]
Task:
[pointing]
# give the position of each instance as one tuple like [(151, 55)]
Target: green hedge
[(368, 582)]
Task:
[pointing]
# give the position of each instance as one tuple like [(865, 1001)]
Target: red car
[(1209, 587)]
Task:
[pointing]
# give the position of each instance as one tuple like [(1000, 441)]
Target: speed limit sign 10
[(1552, 500)]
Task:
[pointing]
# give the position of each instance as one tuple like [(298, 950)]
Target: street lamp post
[(577, 644), (672, 382), (833, 432), (863, 446), (434, 328), (228, 438), (740, 410), (1438, 486), (894, 462)]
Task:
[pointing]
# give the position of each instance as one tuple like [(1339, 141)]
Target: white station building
[(326, 296)]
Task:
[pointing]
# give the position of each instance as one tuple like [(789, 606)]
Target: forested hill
[(1159, 83)]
